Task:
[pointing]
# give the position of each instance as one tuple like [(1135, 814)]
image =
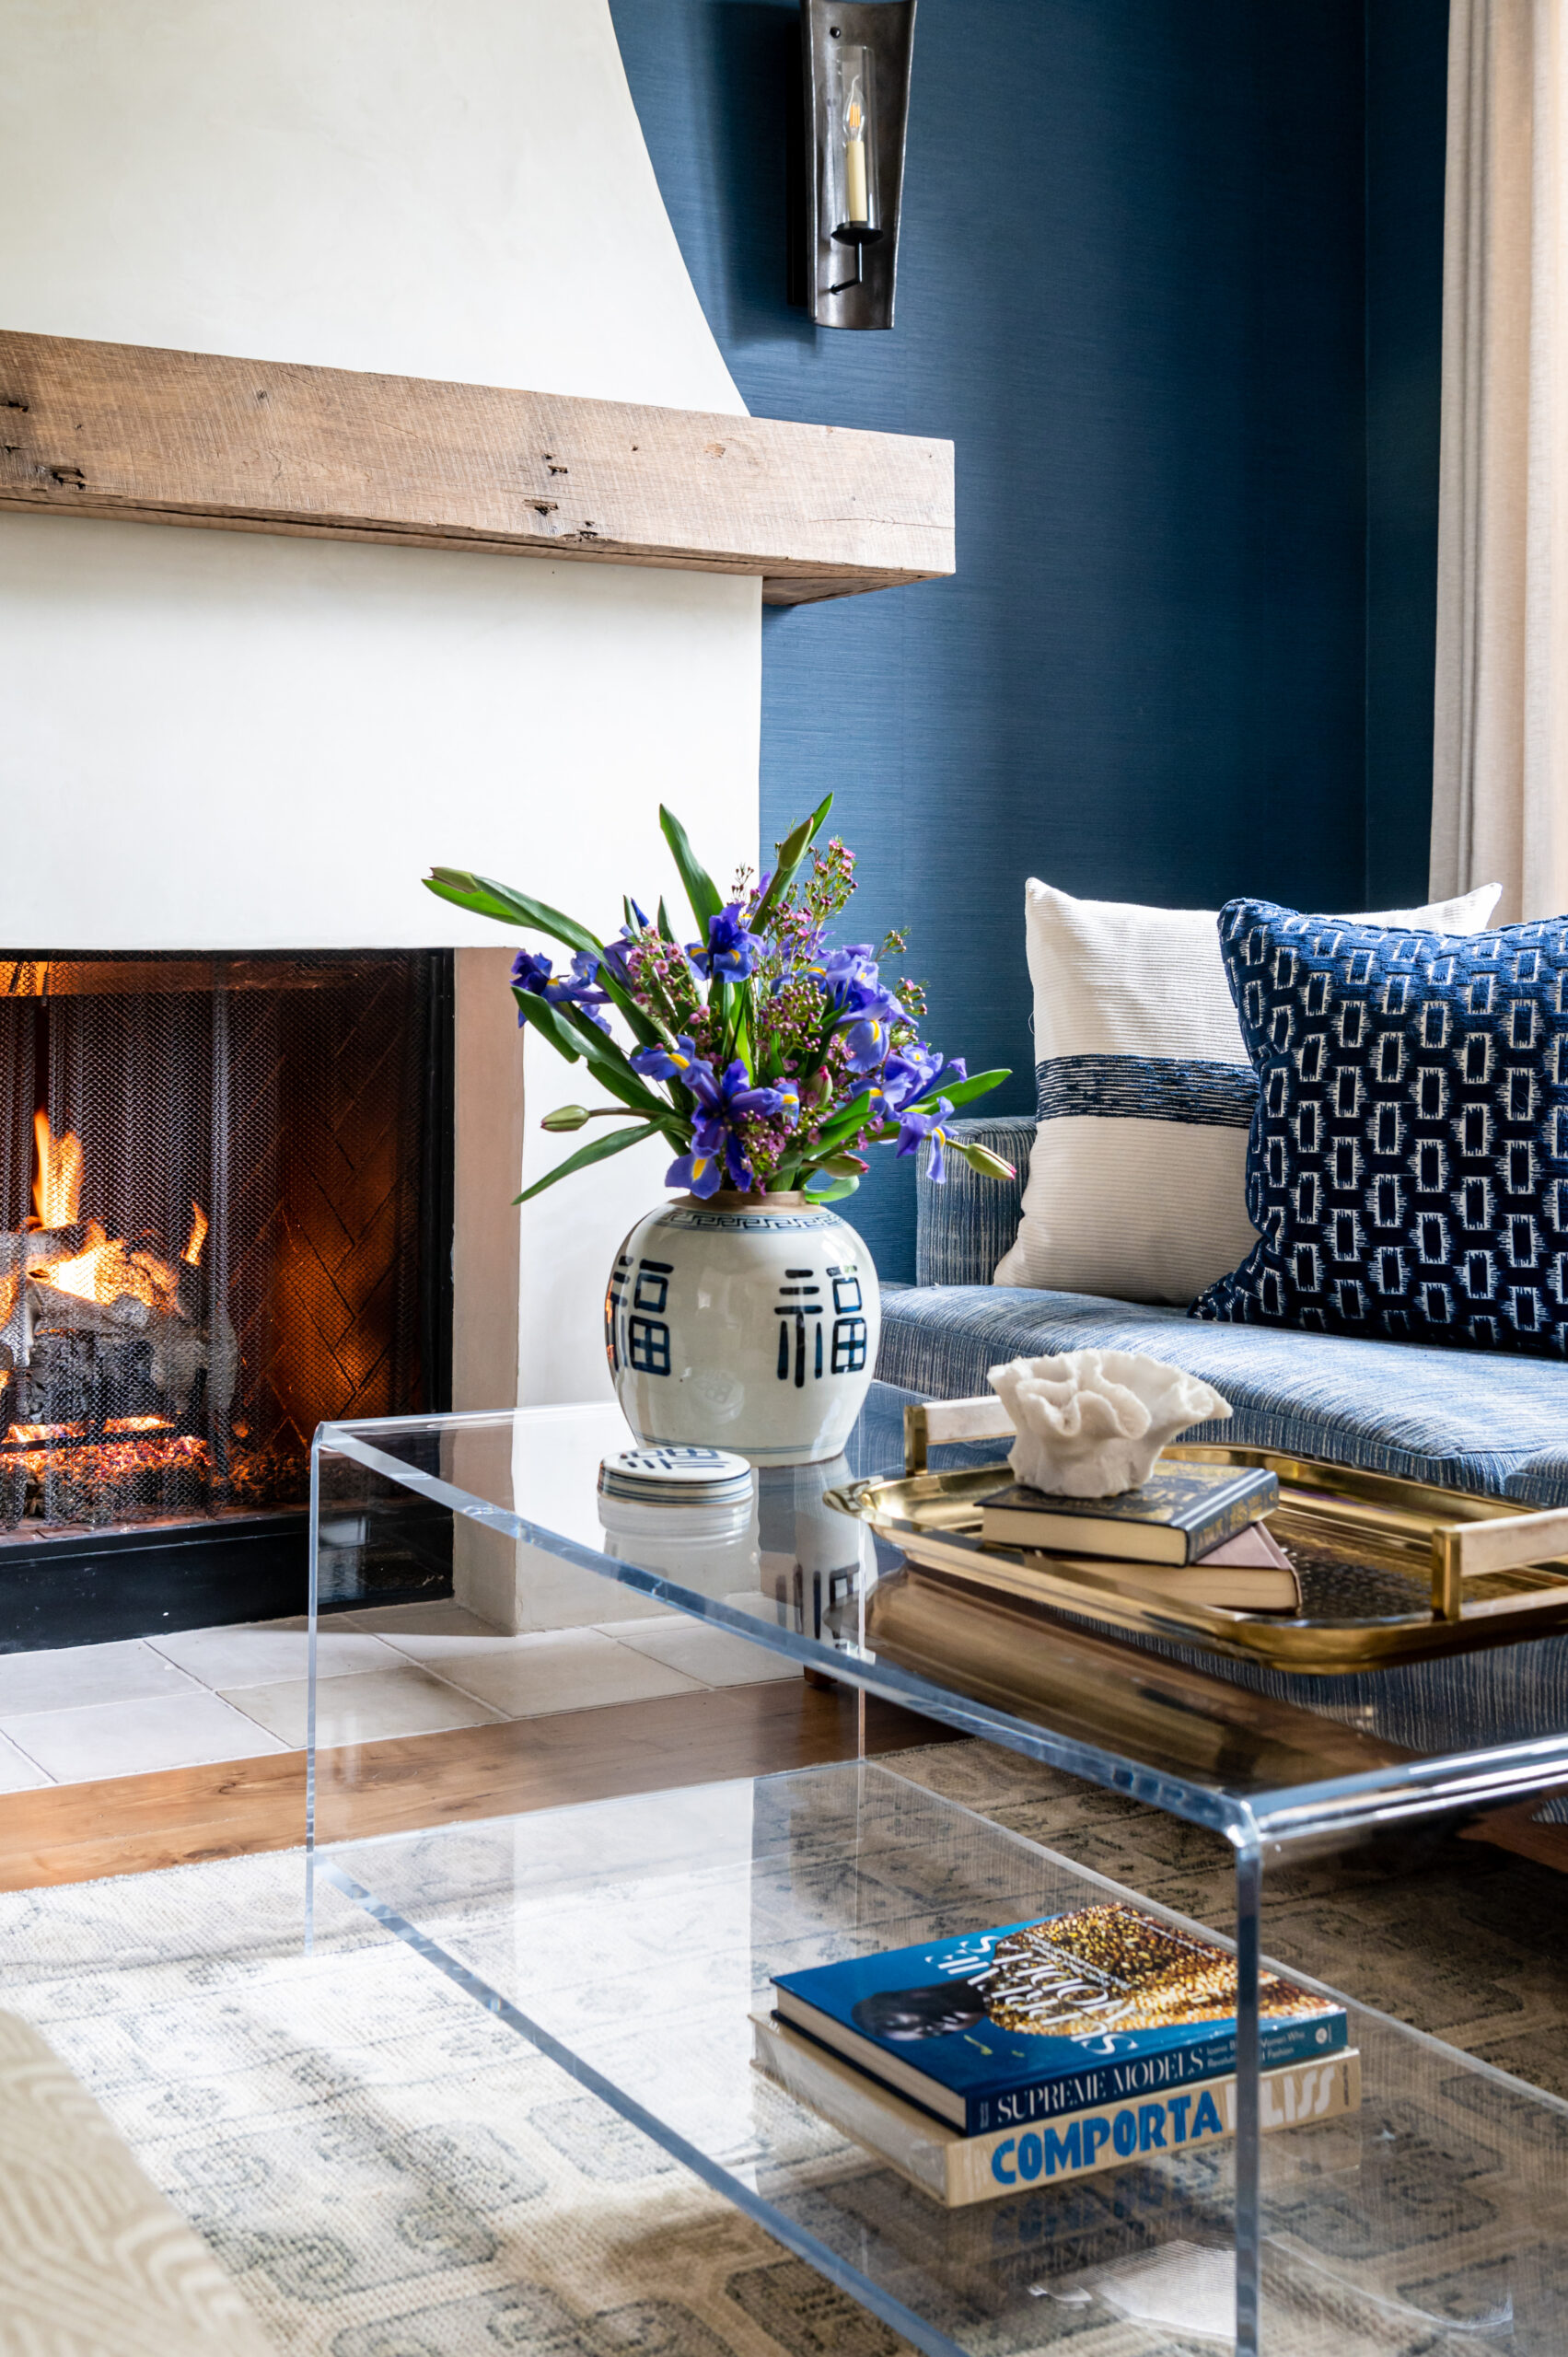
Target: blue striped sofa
[(1462, 1419)]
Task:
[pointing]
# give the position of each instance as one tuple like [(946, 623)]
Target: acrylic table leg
[(1249, 2204), (313, 1609)]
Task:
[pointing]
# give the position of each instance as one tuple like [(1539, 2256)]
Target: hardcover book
[(959, 2169), (1250, 1572), (1006, 2027), (1180, 1512)]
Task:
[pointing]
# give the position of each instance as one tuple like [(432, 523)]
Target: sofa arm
[(963, 1227)]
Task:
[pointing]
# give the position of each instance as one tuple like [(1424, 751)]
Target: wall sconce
[(856, 78)]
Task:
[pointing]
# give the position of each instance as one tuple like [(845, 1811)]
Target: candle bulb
[(857, 208)]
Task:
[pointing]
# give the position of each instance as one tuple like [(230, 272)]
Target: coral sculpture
[(1091, 1423)]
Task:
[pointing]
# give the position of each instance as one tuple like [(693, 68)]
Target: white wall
[(250, 742), (227, 739), (441, 188)]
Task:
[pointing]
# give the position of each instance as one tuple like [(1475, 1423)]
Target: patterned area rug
[(391, 2173)]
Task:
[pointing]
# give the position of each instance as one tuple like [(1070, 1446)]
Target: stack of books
[(1193, 1531), (1019, 2057)]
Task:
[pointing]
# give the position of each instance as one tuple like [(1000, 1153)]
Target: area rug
[(388, 2172)]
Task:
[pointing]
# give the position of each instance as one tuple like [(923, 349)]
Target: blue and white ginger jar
[(747, 1322)]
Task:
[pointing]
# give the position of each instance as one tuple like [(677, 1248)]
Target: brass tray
[(1391, 1571)]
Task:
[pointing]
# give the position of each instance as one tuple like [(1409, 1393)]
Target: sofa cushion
[(963, 1226), (1145, 1091), (1408, 1164), (1460, 1419)]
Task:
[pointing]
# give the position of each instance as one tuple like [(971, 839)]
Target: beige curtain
[(1500, 799)]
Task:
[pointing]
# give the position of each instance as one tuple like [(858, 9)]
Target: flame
[(57, 1190), (107, 1269), (107, 1461)]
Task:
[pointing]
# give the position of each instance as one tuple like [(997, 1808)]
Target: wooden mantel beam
[(258, 446)]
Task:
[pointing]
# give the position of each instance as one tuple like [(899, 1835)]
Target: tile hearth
[(206, 1695)]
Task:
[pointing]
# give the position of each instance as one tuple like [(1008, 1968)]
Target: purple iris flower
[(701, 1172), (915, 1125), (848, 969), (617, 958), (734, 1094), (867, 1012), (531, 973), (913, 1073), (731, 951), (867, 1026), (680, 1063), (716, 1154), (718, 1149), (617, 954)]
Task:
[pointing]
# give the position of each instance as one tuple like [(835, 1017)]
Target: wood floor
[(131, 1825)]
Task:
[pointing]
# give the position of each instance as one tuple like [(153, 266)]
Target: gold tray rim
[(1406, 1513)]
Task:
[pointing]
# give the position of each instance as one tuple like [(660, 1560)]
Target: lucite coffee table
[(631, 1938)]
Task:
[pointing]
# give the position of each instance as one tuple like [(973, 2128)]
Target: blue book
[(1032, 2020)]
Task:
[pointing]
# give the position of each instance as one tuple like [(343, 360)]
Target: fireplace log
[(33, 1248), (181, 1350), (68, 1313)]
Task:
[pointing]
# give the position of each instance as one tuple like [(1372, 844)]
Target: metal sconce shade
[(856, 82)]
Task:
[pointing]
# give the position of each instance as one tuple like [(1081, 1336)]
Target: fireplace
[(225, 1218)]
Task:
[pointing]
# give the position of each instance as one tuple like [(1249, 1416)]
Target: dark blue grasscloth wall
[(1407, 78), (1132, 290)]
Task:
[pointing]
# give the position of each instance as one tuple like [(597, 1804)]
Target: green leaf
[(607, 1061), (835, 1193), (546, 1020), (643, 1027), (664, 931), (572, 1035), (741, 1045), (843, 1125), (597, 1150), (488, 899), (788, 855), (981, 1083), (701, 889)]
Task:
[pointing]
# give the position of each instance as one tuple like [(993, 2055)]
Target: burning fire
[(107, 1270), (57, 1190), (79, 1262)]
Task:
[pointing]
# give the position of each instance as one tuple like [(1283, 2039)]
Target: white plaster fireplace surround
[(237, 740)]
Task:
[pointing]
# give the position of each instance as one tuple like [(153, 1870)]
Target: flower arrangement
[(766, 1056)]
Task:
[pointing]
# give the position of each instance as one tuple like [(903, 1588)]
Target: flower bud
[(981, 1159)]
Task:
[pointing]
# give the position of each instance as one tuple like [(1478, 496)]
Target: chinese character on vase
[(767, 1057)]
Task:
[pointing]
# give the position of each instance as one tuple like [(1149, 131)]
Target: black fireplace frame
[(159, 1577)]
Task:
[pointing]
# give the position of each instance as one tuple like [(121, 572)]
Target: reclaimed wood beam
[(150, 436)]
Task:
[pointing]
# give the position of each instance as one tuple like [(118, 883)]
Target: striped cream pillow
[(1145, 1092)]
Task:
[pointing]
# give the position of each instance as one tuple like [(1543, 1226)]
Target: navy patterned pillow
[(1407, 1169)]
